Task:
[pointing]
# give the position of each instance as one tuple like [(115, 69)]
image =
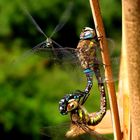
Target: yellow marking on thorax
[(91, 44), (80, 113)]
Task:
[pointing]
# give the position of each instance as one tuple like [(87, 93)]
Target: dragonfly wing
[(77, 130), (74, 131), (40, 45), (30, 52), (114, 59), (61, 132), (57, 131), (64, 18), (58, 54), (96, 135), (68, 55), (45, 52)]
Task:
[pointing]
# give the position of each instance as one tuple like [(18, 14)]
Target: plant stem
[(108, 71)]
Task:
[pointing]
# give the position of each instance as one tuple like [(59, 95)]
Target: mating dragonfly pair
[(86, 54), (73, 103)]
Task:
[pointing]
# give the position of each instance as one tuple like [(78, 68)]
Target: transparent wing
[(57, 131), (67, 57), (29, 53), (55, 52), (114, 60), (96, 135), (73, 131), (61, 55), (64, 18)]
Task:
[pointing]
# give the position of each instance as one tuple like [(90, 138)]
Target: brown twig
[(108, 71)]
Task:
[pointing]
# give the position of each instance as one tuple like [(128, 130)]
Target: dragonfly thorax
[(80, 115)]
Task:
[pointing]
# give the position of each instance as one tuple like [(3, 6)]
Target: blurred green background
[(31, 86)]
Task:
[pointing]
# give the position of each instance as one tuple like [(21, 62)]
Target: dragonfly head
[(69, 102), (87, 33)]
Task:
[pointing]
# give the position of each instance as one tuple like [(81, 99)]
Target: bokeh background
[(31, 86)]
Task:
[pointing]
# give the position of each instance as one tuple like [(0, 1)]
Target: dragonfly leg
[(99, 38)]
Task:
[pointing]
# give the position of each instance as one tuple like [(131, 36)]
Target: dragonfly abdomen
[(96, 118), (89, 75)]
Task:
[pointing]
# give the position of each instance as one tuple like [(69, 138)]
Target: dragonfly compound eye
[(62, 106), (87, 33), (65, 104)]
